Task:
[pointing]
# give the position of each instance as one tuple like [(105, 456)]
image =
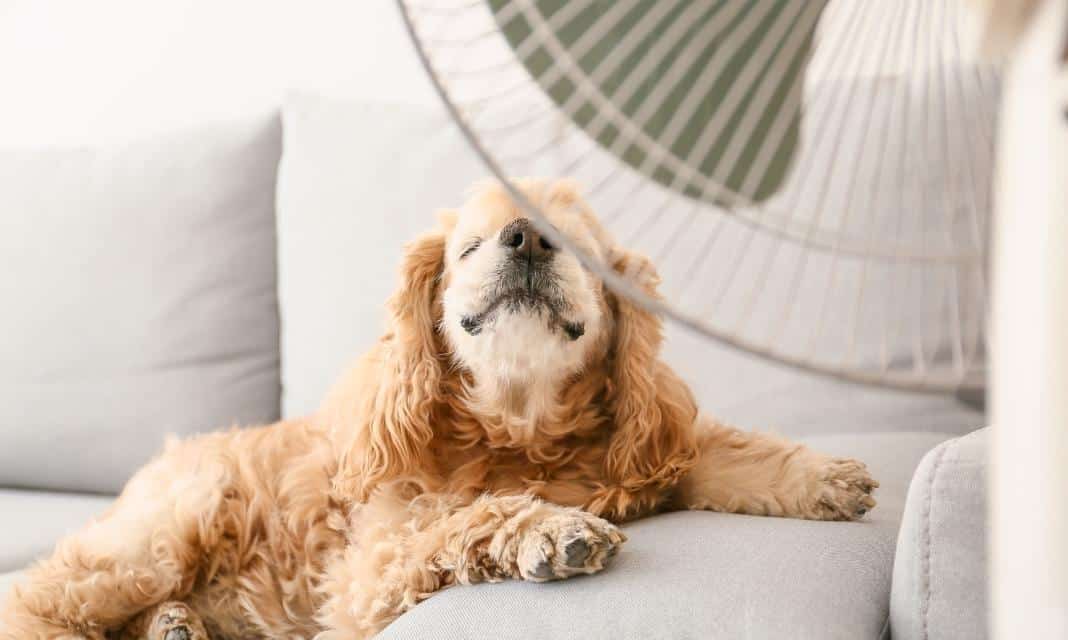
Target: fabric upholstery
[(142, 277), (940, 570), (752, 392), (35, 520), (706, 575)]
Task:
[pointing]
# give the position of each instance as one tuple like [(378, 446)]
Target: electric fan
[(811, 178)]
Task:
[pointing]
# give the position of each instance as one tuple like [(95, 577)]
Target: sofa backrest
[(146, 290)]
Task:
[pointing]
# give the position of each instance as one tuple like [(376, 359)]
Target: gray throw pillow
[(139, 299)]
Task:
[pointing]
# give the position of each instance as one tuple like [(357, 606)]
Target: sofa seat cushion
[(710, 575), (35, 520)]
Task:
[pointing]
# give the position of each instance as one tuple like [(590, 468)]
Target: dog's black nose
[(521, 238)]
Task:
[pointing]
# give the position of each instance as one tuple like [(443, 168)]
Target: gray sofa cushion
[(707, 575), (941, 567), (357, 181), (142, 277), (35, 520), (749, 391)]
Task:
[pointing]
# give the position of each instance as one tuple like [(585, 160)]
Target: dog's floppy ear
[(654, 412), (386, 404)]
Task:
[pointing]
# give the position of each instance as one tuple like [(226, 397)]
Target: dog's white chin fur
[(520, 348)]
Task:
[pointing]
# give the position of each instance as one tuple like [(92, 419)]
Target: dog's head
[(491, 311), (516, 310)]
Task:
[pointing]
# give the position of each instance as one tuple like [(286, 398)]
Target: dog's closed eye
[(470, 248)]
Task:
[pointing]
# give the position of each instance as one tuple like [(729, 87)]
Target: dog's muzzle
[(525, 281)]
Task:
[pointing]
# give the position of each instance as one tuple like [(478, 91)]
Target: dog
[(513, 413)]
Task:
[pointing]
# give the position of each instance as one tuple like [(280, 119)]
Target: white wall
[(1029, 474), (78, 70)]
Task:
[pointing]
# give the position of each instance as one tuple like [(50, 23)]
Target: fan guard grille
[(869, 261)]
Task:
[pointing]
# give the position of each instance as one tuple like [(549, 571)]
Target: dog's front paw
[(843, 490), (566, 544)]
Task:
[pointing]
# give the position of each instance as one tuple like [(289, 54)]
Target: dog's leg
[(760, 474), (88, 588), (145, 550), (166, 621), (404, 553)]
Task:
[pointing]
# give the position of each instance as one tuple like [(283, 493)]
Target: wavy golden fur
[(492, 433)]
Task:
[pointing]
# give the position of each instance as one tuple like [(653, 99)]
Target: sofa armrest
[(939, 583)]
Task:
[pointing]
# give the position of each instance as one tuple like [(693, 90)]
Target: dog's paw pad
[(567, 544), (175, 621), (178, 633), (576, 552), (543, 570)]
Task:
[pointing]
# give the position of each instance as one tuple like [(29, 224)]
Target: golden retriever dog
[(513, 413)]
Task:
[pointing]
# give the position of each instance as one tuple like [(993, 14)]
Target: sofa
[(225, 274)]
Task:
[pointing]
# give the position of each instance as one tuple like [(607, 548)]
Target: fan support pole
[(1029, 465)]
